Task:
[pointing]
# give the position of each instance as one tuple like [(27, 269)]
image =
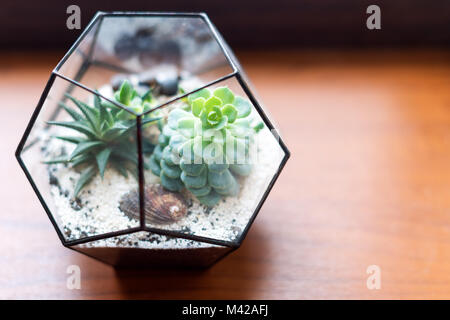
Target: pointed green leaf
[(104, 126), (125, 92), (85, 177), (115, 131), (119, 166), (62, 159), (97, 101), (126, 154), (102, 159), (75, 115), (91, 115), (81, 159), (71, 139), (84, 147), (78, 126), (147, 96), (104, 115)]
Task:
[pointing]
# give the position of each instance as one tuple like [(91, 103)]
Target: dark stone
[(53, 179), (76, 204), (167, 85), (125, 47), (145, 32)]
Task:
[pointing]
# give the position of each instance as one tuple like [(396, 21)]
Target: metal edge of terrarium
[(179, 234), (102, 236), (79, 84), (220, 40), (85, 32), (231, 250), (87, 62), (20, 148), (184, 95), (283, 146), (140, 173)]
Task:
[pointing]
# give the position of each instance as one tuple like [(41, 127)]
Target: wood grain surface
[(368, 183)]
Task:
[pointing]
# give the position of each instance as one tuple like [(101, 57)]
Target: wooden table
[(368, 183)]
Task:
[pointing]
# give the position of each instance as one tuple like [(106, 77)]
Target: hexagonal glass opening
[(147, 136)]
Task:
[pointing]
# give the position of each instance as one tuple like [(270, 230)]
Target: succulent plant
[(130, 98), (105, 135), (204, 146)]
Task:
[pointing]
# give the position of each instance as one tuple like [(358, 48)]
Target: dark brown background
[(265, 24)]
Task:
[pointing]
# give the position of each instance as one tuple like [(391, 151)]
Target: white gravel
[(97, 210)]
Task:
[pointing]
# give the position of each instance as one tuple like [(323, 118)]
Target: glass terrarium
[(147, 147)]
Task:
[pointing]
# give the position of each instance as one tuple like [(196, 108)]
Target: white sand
[(98, 211)]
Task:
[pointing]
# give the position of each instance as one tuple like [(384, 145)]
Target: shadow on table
[(227, 279)]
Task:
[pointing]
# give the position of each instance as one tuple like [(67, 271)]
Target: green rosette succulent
[(204, 146), (106, 134)]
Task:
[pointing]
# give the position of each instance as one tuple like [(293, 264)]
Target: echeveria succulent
[(205, 145), (106, 135)]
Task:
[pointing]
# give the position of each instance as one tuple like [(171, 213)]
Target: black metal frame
[(236, 73)]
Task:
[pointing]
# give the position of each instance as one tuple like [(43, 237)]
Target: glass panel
[(72, 67), (161, 53), (67, 158), (141, 249), (214, 161)]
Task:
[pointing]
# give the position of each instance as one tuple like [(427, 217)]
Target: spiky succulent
[(205, 145), (105, 135)]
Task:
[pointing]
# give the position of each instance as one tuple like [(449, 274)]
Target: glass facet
[(148, 147)]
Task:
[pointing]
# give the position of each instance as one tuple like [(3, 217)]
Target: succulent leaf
[(169, 183), (85, 177), (78, 126), (125, 92), (210, 139), (231, 112), (70, 139), (224, 94), (243, 107), (90, 114), (102, 159), (204, 93), (75, 115), (85, 147), (211, 199)]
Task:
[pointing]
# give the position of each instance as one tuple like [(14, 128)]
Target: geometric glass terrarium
[(147, 147)]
